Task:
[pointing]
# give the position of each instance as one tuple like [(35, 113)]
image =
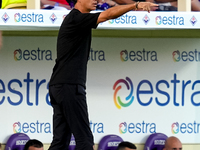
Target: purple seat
[(155, 141), (72, 144), (109, 142), (17, 141)]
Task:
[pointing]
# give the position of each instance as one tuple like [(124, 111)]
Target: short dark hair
[(71, 2), (74, 1), (125, 144), (34, 143), (0, 145)]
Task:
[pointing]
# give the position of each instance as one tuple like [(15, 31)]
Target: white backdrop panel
[(163, 80)]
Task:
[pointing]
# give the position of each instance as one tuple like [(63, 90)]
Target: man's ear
[(164, 149)]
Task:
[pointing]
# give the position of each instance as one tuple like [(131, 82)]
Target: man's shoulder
[(75, 11)]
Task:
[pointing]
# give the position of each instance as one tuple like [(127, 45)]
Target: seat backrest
[(72, 143), (109, 142), (17, 141), (16, 6), (155, 141)]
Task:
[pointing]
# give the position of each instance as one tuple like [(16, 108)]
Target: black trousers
[(70, 116)]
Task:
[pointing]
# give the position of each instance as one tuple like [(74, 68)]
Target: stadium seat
[(23, 4), (155, 141), (109, 142), (17, 141), (16, 6), (72, 144), (13, 4)]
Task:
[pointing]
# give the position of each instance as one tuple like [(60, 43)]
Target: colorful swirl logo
[(158, 20), (175, 128), (122, 128), (17, 127), (117, 99), (176, 56), (110, 21), (17, 54), (17, 17), (124, 55)]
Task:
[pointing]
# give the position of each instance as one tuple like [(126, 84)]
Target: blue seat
[(109, 142), (17, 141), (155, 141)]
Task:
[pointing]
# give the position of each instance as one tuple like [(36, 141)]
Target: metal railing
[(184, 5), (33, 4)]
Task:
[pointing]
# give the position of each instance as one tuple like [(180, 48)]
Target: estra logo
[(17, 54), (17, 127), (137, 127), (169, 20), (185, 128), (17, 17), (186, 56), (124, 19), (175, 128), (166, 92), (124, 55), (122, 127), (32, 127), (129, 99), (33, 55), (176, 56), (141, 55), (23, 17)]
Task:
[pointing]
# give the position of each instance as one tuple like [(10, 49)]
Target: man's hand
[(147, 6)]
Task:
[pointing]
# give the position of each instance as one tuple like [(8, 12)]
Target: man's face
[(35, 148), (175, 147), (89, 4)]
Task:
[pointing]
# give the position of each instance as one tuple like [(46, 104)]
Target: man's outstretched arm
[(119, 10)]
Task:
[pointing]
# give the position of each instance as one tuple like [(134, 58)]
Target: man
[(126, 146), (33, 145), (67, 83), (173, 143)]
